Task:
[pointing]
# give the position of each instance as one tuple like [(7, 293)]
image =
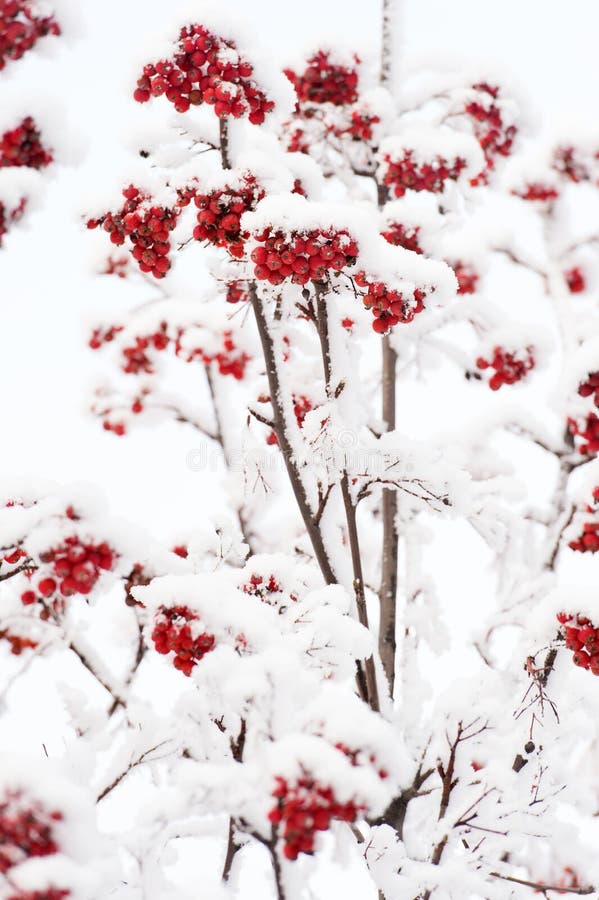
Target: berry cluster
[(495, 137), (237, 292), (73, 568), (173, 633), (588, 432), (405, 173), (301, 256), (359, 127), (403, 236), (9, 216), (565, 162), (220, 212), (510, 366), (467, 277), (135, 357), (389, 307), (323, 81), (102, 336), (538, 191), (263, 588), (575, 280), (20, 29), (206, 69), (22, 147), (305, 807), (146, 226), (588, 541), (582, 637), (229, 359), (298, 141), (26, 830), (17, 642)]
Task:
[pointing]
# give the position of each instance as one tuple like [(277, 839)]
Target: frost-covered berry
[(206, 69), (403, 236), (220, 211), (22, 147), (467, 277), (538, 192), (73, 567), (389, 307), (404, 172), (21, 28), (301, 256), (495, 135), (177, 630), (582, 637), (26, 830), (575, 280), (325, 81), (304, 807), (509, 366), (146, 226), (566, 161), (587, 432), (17, 642)]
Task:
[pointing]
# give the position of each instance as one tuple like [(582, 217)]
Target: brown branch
[(141, 759), (26, 566), (538, 885), (280, 429), (223, 127)]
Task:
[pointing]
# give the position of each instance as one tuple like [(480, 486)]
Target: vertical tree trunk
[(388, 589)]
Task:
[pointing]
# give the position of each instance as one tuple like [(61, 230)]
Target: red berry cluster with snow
[(389, 307), (305, 807), (538, 192), (73, 567), (467, 277), (582, 637), (146, 225), (237, 292), (21, 28), (405, 236), (325, 81), (26, 830), (177, 630), (404, 172), (301, 256), (220, 211), (206, 69), (494, 134), (22, 146), (509, 366), (588, 432), (567, 163), (359, 127), (587, 429), (17, 642)]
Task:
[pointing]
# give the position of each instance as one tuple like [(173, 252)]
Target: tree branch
[(280, 429)]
